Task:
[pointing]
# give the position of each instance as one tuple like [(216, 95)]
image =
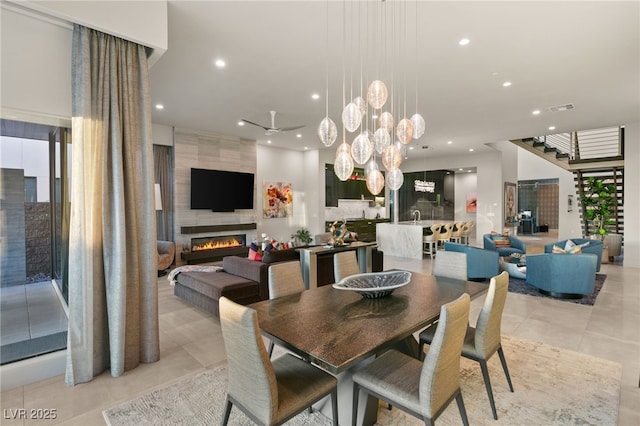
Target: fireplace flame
[(213, 245)]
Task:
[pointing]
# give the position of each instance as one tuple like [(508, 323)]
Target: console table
[(309, 259)]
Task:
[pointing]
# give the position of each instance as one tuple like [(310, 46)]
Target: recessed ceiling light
[(240, 123), (315, 96), (306, 147), (535, 112), (220, 63), (269, 141), (459, 169), (449, 142), (464, 42), (506, 84), (159, 106), (410, 148), (470, 149), (298, 135), (552, 127), (468, 171)]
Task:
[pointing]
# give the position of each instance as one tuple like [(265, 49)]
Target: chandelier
[(379, 106)]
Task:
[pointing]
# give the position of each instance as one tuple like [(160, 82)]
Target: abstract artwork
[(471, 202), (278, 200)]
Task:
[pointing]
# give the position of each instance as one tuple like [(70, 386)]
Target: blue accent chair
[(481, 264), (517, 246), (594, 247), (562, 275)]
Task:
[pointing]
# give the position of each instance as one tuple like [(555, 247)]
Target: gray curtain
[(163, 166), (113, 299)]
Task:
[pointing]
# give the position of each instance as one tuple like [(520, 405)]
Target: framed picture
[(570, 203), (277, 200), (471, 202), (510, 201)]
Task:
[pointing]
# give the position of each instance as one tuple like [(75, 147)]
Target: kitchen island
[(402, 239)]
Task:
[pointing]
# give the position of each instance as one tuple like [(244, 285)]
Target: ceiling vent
[(561, 107)]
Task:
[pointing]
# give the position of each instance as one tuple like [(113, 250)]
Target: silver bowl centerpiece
[(373, 285)]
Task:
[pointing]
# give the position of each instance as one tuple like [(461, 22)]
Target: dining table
[(340, 331)]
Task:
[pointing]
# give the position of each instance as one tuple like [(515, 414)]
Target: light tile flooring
[(191, 341), (30, 311)]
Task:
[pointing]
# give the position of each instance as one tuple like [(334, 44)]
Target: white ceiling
[(554, 53)]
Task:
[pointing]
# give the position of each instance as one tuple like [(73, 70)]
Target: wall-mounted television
[(221, 190)]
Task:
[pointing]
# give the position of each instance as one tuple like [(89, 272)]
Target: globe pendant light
[(361, 149), (419, 126), (362, 105), (385, 121), (377, 94), (370, 166), (343, 147), (327, 131), (391, 158), (351, 117), (404, 131), (395, 179), (375, 181), (343, 167), (381, 140)]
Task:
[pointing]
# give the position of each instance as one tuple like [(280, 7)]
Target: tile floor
[(191, 341)]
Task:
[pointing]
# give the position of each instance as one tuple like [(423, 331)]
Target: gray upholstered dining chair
[(450, 264), (422, 389), (268, 392), (484, 340), (345, 263), (285, 278)]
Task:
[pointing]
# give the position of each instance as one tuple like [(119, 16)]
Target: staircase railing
[(587, 145)]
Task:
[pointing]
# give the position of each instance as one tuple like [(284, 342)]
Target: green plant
[(303, 235), (598, 200)]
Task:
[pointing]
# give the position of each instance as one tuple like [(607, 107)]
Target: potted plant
[(303, 236), (598, 200)]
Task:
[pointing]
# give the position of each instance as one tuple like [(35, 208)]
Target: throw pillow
[(557, 250), (575, 250), (254, 252), (569, 245)]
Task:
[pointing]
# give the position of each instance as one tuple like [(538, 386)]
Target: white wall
[(281, 165), (632, 195), (531, 167)]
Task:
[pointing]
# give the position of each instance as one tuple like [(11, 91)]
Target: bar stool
[(429, 243), (456, 233)]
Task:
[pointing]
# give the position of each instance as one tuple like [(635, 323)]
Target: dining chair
[(422, 389), (345, 264), (450, 264), (483, 340), (284, 278), (268, 392)]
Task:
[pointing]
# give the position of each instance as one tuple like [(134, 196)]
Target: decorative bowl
[(373, 285)]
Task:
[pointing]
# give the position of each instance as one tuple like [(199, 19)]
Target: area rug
[(520, 286), (552, 387)]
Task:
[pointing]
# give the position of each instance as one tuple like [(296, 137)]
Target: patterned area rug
[(552, 387), (520, 286)]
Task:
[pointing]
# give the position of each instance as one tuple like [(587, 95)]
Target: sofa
[(586, 246), (505, 245), (481, 264), (562, 275), (246, 281)]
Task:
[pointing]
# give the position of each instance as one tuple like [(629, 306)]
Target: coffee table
[(515, 268)]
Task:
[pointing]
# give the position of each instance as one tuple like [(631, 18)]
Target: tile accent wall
[(195, 149)]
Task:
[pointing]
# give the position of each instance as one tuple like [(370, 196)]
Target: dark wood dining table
[(339, 329)]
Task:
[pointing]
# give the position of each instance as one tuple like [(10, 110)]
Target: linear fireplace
[(214, 248)]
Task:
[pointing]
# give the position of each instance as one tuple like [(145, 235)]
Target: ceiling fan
[(270, 130)]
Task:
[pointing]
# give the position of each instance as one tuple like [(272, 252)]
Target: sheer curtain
[(113, 299)]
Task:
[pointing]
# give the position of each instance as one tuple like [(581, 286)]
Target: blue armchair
[(592, 247), (481, 264), (562, 275), (515, 245)]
